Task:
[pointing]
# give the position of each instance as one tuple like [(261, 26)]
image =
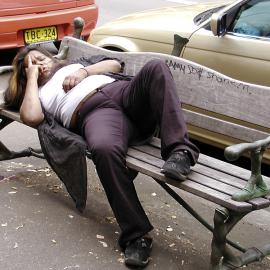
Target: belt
[(73, 121)]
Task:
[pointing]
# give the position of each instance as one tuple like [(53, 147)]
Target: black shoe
[(137, 252), (177, 166)]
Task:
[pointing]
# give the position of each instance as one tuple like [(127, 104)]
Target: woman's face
[(44, 62)]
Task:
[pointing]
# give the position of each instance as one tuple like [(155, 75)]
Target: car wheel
[(115, 49)]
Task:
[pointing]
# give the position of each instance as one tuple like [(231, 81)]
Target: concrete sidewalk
[(40, 228)]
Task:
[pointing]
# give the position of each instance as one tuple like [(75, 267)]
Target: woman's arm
[(31, 111), (98, 68), (103, 67)]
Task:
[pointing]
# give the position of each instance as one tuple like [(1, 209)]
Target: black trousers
[(120, 113)]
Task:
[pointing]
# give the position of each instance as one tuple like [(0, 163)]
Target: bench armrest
[(233, 152), (255, 186), (4, 69)]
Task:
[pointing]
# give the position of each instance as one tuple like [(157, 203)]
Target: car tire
[(115, 49)]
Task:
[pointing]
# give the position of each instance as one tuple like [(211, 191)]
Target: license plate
[(36, 35)]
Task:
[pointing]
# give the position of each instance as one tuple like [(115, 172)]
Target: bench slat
[(192, 187), (10, 114), (224, 127), (222, 171), (216, 164), (202, 179), (202, 169), (228, 168)]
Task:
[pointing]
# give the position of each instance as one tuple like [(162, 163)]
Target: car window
[(253, 19)]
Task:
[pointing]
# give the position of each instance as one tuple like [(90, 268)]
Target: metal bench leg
[(6, 154), (219, 231), (222, 257)]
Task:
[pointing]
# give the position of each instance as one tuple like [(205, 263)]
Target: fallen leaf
[(71, 267), (19, 227), (44, 170), (30, 186), (104, 244), (110, 219), (121, 260)]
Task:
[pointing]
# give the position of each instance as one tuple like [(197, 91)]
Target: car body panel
[(144, 25), (10, 8), (132, 45), (247, 54), (19, 15)]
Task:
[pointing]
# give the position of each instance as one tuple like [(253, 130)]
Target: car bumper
[(13, 26)]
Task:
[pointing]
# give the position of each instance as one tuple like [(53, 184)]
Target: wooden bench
[(212, 102)]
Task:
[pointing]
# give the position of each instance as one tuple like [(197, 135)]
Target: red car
[(30, 21)]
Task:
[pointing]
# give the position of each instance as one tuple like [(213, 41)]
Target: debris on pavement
[(104, 244), (100, 236), (19, 227)]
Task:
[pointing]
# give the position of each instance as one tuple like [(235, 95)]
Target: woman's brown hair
[(14, 95)]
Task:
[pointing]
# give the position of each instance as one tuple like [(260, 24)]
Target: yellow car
[(232, 38)]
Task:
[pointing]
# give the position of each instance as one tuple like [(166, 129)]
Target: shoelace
[(179, 157)]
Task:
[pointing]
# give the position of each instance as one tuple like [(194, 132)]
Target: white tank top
[(62, 105)]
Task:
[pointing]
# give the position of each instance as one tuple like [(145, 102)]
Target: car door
[(243, 52)]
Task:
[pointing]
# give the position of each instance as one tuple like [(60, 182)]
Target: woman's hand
[(32, 71), (73, 79), (98, 68)]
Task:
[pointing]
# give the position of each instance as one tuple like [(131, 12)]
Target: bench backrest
[(213, 102)]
